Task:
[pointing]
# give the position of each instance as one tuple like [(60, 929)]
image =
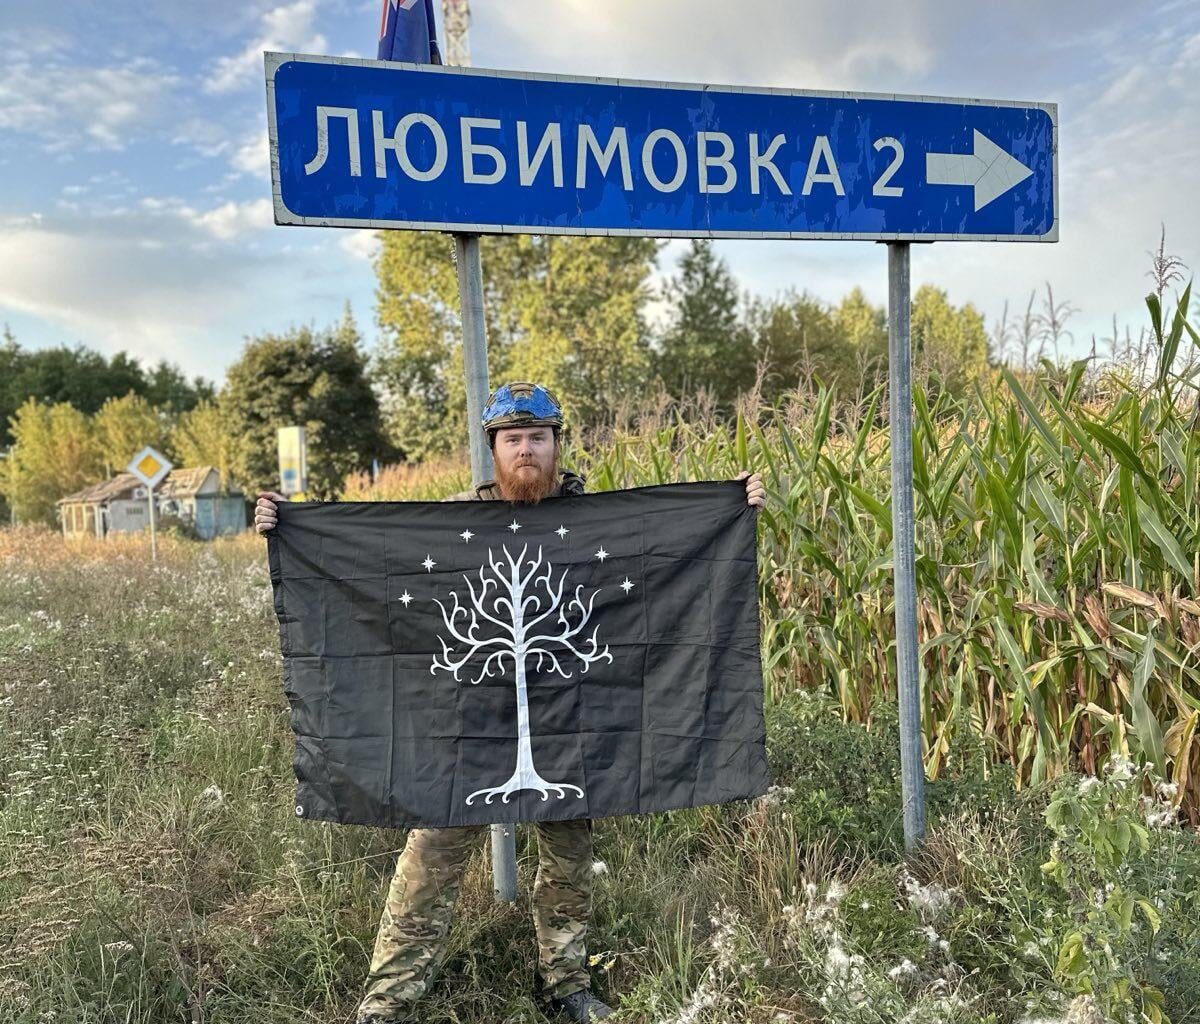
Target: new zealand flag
[(471, 662)]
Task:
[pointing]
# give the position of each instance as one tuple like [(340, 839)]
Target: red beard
[(523, 486)]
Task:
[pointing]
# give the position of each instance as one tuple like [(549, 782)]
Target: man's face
[(526, 462)]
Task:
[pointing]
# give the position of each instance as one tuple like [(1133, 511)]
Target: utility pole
[(456, 17)]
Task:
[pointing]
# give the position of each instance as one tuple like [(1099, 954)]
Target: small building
[(119, 505), (116, 505), (195, 496)]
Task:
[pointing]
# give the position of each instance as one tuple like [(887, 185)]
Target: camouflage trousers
[(413, 930)]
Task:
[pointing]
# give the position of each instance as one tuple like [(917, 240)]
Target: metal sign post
[(904, 580), (475, 364), (153, 538), (384, 144)]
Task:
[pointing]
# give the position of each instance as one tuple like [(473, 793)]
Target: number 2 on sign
[(882, 188)]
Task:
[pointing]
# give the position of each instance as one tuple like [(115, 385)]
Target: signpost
[(150, 467), (380, 144), (361, 143)]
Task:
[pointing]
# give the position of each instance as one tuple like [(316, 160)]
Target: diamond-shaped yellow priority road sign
[(149, 466)]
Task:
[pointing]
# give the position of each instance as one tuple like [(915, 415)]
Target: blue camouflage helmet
[(521, 403)]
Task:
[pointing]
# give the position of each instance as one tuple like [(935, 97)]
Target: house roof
[(182, 482), (177, 483), (104, 490)]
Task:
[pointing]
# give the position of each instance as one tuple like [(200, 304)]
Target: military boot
[(583, 1006), (375, 1017)]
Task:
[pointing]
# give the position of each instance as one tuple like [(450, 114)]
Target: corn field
[(1058, 555)]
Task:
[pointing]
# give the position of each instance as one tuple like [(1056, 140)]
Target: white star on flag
[(601, 554), (562, 532), (405, 598), (627, 586), (429, 563), (514, 526), (466, 535)]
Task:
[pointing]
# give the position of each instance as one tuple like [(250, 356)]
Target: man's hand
[(265, 512), (756, 493)]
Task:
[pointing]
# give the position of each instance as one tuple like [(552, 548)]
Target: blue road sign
[(361, 143)]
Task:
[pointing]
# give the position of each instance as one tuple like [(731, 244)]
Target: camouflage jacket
[(571, 483)]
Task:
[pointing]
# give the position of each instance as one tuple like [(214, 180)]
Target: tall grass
[(1058, 552), (1058, 559), (151, 869), (423, 481)]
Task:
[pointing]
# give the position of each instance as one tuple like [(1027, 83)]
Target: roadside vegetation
[(151, 869)]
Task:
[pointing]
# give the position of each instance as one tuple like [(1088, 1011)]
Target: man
[(523, 422)]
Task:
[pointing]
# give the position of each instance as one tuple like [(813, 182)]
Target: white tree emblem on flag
[(504, 599)]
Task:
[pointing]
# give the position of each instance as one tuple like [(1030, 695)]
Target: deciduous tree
[(316, 379), (54, 452)]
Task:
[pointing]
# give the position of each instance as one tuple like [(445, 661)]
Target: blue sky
[(134, 187)]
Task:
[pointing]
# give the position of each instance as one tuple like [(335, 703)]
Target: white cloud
[(768, 42), (123, 292), (62, 105), (189, 276), (1126, 85), (253, 156), (1126, 78), (288, 27), (1189, 54), (231, 220), (224, 222), (165, 280), (361, 243), (207, 137)]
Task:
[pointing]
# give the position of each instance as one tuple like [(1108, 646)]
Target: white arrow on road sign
[(990, 169)]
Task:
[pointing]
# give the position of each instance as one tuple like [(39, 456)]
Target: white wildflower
[(1120, 768), (1167, 791), (599, 867), (837, 963), (927, 900), (1158, 816), (775, 795), (1083, 1010)]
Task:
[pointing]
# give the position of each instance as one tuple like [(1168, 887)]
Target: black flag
[(473, 662)]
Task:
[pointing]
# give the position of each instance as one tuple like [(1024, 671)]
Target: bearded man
[(523, 422)]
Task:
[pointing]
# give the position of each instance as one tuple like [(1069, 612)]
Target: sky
[(135, 205)]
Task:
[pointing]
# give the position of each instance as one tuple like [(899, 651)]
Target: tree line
[(303, 376), (582, 315), (574, 313)]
